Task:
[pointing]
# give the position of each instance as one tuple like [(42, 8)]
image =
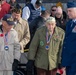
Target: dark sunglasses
[(53, 9)]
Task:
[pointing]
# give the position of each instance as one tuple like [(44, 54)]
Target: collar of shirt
[(20, 21)]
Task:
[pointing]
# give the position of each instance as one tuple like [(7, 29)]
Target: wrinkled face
[(16, 16), (50, 26), (71, 12), (6, 26)]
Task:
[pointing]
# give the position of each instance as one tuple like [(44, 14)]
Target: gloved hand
[(15, 65), (58, 74), (30, 65)]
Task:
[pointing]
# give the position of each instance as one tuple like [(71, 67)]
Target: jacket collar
[(55, 32), (20, 21), (55, 36)]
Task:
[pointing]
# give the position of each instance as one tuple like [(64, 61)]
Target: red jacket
[(5, 8)]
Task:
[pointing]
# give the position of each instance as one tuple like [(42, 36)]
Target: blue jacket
[(69, 45)]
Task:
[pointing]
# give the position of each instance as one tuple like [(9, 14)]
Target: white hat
[(51, 19)]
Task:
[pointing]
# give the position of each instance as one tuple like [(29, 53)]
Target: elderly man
[(45, 48), (9, 46), (69, 46)]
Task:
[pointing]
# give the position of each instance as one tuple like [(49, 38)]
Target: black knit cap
[(39, 2)]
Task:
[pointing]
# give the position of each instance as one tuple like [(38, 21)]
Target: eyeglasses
[(53, 9)]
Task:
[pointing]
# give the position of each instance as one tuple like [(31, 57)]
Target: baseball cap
[(9, 19)]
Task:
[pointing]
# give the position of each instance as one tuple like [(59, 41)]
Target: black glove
[(58, 74), (15, 65), (30, 66)]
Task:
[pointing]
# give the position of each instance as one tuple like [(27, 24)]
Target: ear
[(2, 21), (55, 22)]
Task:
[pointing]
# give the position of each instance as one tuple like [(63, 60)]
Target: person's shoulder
[(60, 30), (37, 19), (13, 31), (6, 4), (25, 7), (24, 21), (69, 20), (41, 29), (29, 4)]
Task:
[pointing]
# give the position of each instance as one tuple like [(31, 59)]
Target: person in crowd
[(0, 6), (36, 23), (5, 8), (69, 45), (60, 21), (9, 46), (64, 13), (32, 10), (53, 10), (42, 7), (13, 4), (7, 1), (45, 48), (27, 2), (22, 29)]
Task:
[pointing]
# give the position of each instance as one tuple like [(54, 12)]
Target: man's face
[(16, 16), (6, 26), (71, 12), (50, 26)]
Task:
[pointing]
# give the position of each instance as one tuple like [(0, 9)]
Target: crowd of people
[(48, 36)]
